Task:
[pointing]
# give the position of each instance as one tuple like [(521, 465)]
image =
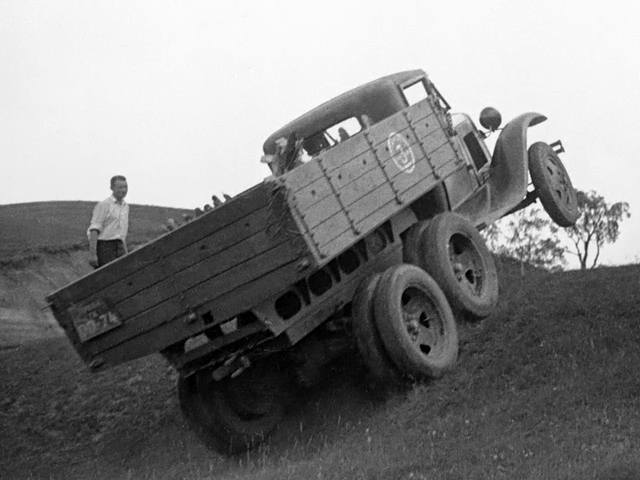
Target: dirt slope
[(23, 287), (547, 388), (42, 248)]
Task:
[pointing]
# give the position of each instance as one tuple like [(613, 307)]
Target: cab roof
[(378, 99)]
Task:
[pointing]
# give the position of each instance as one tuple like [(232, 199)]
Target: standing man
[(109, 225)]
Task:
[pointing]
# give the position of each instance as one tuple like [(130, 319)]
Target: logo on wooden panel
[(401, 152)]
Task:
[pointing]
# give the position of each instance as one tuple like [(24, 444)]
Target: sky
[(179, 95)]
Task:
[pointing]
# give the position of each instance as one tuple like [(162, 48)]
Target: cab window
[(331, 136), (414, 93)]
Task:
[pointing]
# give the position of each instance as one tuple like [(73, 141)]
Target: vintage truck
[(365, 235)]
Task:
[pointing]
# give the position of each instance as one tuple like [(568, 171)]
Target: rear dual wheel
[(235, 414), (450, 249), (404, 326), (365, 331)]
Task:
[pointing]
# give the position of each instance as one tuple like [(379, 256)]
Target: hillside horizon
[(59, 224)]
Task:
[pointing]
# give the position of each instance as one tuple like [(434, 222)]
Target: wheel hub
[(466, 263), (558, 178), (421, 321)]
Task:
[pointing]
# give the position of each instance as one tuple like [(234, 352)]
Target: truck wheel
[(456, 256), (235, 414), (553, 184), (415, 322), (367, 336), (411, 243)]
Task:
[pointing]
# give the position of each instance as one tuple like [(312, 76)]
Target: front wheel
[(553, 185)]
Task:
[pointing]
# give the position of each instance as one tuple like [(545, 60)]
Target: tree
[(528, 236), (492, 236), (599, 223)]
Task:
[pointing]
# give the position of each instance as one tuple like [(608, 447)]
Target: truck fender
[(509, 171)]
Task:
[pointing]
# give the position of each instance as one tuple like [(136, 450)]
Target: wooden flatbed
[(258, 244)]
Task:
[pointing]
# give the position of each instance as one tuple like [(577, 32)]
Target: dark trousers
[(108, 251)]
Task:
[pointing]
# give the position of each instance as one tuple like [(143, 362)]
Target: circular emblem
[(401, 152)]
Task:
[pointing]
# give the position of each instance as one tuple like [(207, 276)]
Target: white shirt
[(111, 219)]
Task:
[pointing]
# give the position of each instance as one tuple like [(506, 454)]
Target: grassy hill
[(547, 388), (28, 227)]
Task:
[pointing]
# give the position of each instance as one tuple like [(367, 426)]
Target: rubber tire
[(435, 260), (559, 201), (367, 337), (411, 243), (389, 319), (207, 407)]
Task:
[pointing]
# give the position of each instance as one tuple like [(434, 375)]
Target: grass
[(50, 227), (547, 388)]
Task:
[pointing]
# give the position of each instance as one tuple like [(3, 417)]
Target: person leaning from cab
[(109, 225)]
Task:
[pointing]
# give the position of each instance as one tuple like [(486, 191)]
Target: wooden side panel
[(335, 158), (372, 176), (225, 305), (188, 289), (151, 279), (168, 244), (323, 210), (188, 272), (311, 194)]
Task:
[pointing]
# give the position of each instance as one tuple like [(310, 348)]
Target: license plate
[(93, 319)]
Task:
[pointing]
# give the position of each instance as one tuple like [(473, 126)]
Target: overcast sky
[(178, 96)]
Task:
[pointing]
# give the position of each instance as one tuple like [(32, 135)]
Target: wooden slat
[(366, 205), (346, 159), (353, 170), (207, 291), (225, 306), (379, 133), (369, 203), (321, 211), (443, 155), (333, 225), (352, 186), (426, 126), (411, 189), (362, 186), (303, 175), (419, 111), (337, 245), (369, 215), (148, 277), (245, 250), (335, 157), (358, 210), (312, 193), (403, 180)]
